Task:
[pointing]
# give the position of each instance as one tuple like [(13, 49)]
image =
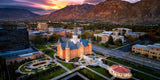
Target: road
[(123, 55)]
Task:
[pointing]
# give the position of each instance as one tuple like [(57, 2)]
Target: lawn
[(68, 65), (41, 47), (102, 71), (53, 74), (91, 75)]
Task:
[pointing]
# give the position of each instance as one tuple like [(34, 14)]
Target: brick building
[(74, 47), (153, 51)]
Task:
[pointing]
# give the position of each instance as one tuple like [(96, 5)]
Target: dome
[(120, 69)]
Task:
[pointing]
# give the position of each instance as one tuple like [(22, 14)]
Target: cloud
[(132, 1), (47, 6), (93, 1)]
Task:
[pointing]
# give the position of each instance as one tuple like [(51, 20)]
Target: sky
[(43, 7)]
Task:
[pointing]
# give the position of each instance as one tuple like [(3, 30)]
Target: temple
[(74, 47)]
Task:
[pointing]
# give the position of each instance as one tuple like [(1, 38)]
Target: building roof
[(143, 46), (156, 45), (107, 32), (148, 46), (132, 33), (120, 69), (71, 45), (75, 31)]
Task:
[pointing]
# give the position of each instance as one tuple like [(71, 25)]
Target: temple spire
[(75, 29), (59, 42), (67, 46)]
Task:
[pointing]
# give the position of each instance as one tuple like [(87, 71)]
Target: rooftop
[(132, 33), (71, 45), (120, 69), (148, 46)]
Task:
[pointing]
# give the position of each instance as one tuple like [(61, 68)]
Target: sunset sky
[(46, 6)]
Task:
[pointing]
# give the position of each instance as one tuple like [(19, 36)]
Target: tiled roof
[(120, 69), (71, 45)]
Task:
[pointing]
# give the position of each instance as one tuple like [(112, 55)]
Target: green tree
[(106, 45), (53, 38), (98, 39), (118, 42), (38, 40), (110, 41)]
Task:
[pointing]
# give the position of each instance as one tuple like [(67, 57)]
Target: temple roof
[(71, 45)]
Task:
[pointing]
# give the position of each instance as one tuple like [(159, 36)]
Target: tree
[(110, 41), (38, 40), (106, 44), (53, 38), (118, 42), (98, 39)]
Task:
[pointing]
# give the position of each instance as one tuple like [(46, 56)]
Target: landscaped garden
[(91, 75), (68, 65), (102, 71), (49, 52), (46, 74)]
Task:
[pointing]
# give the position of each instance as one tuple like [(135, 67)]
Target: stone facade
[(73, 48)]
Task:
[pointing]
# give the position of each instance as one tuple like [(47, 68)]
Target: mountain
[(15, 13), (118, 11), (69, 12)]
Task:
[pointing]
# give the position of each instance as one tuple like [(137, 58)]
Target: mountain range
[(110, 11), (15, 13)]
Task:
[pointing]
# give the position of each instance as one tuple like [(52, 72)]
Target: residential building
[(152, 51), (74, 47), (42, 26), (106, 34), (136, 34), (55, 28), (121, 31)]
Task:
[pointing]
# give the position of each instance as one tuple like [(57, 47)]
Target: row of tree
[(40, 39)]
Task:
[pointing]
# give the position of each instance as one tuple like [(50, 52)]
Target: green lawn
[(52, 74), (92, 75), (41, 47), (102, 71), (68, 65)]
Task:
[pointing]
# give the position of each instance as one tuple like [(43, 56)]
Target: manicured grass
[(91, 75), (41, 47), (68, 65), (52, 74), (135, 67), (142, 76), (102, 71)]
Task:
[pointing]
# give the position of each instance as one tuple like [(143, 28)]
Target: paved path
[(120, 54), (68, 72), (61, 65)]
